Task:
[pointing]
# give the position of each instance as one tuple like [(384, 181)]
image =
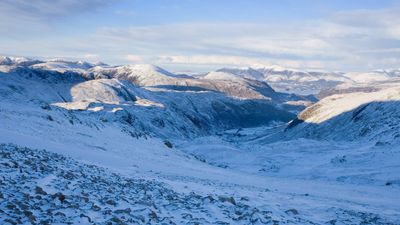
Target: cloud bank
[(346, 40), (356, 40)]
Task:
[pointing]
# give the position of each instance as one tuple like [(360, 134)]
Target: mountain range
[(136, 144)]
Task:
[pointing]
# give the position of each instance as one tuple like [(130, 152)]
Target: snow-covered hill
[(371, 116)]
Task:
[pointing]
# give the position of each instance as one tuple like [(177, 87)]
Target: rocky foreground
[(39, 187)]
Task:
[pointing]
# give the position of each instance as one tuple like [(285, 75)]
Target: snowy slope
[(61, 65), (141, 74), (368, 77), (372, 116), (247, 72), (361, 87)]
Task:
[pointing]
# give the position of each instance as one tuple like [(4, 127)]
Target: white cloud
[(207, 60), (21, 16), (91, 57), (351, 40), (134, 58), (42, 9), (219, 38), (221, 60), (361, 40)]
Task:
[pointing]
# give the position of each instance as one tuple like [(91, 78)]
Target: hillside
[(353, 116)]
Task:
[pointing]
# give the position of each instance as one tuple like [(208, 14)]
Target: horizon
[(255, 67), (202, 36)]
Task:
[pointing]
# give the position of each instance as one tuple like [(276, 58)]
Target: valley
[(224, 148)]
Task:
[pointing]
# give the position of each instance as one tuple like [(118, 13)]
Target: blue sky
[(202, 35)]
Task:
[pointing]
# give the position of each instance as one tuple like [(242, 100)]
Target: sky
[(202, 35)]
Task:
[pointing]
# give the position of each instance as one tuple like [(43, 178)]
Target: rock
[(11, 206), (60, 197), (85, 199), (46, 222), (10, 221), (209, 198), (111, 202), (96, 208), (121, 211), (60, 214), (69, 176), (227, 199), (30, 216), (85, 216), (168, 144), (153, 215), (245, 198), (292, 211), (117, 220), (332, 222), (45, 106), (40, 191)]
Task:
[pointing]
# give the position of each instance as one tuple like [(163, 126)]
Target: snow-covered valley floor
[(230, 178)]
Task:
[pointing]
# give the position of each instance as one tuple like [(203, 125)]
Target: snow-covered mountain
[(361, 87), (242, 88), (354, 116), (90, 143), (290, 80), (61, 65), (145, 97), (17, 61), (310, 82)]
